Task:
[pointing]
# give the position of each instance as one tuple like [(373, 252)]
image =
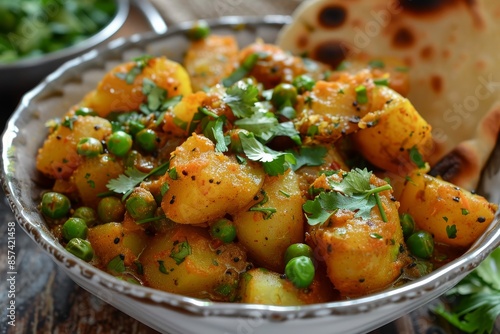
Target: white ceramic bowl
[(172, 313)]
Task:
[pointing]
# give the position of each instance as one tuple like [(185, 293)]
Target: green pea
[(132, 159), (81, 249), (87, 214), (298, 249), (110, 209), (89, 147), (85, 112), (421, 244), (135, 126), (300, 271), (119, 143), (224, 230), (200, 30), (146, 139), (407, 224), (303, 83), (55, 205), (74, 228), (141, 204), (284, 94)]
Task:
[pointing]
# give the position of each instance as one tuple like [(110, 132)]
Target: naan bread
[(452, 49)]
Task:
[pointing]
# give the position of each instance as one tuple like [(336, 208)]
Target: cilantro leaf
[(309, 156), (155, 96), (241, 99), (354, 193), (241, 72), (274, 162), (416, 157), (218, 132), (356, 181), (478, 298), (125, 183), (140, 64)]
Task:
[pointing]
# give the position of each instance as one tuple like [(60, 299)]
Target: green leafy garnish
[(259, 207), (140, 64), (376, 63), (451, 231), (117, 264), (416, 157), (309, 156), (125, 183), (478, 296), (161, 267), (180, 252), (218, 133), (353, 193), (246, 67), (155, 96), (241, 99), (274, 162), (69, 121), (361, 94)]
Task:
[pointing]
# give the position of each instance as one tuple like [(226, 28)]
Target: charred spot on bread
[(332, 16)]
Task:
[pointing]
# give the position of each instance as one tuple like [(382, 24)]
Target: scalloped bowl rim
[(449, 272)]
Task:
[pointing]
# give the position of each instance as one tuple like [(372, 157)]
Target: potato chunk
[(389, 136), (267, 234), (92, 176), (58, 157), (114, 93), (112, 239), (207, 184), (184, 261), (451, 214), (262, 286), (210, 60), (362, 256)]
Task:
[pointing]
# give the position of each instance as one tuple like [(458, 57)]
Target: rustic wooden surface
[(48, 301)]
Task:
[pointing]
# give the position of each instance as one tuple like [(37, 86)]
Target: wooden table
[(48, 301)]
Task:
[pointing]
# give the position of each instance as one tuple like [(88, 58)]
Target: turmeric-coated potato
[(361, 255), (273, 222), (263, 286), (453, 215), (205, 185), (58, 157), (185, 260), (395, 137), (114, 93), (210, 60), (112, 239), (92, 176)]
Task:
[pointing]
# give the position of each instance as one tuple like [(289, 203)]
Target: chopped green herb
[(309, 156), (180, 252), (375, 236), (241, 72), (69, 121), (117, 264), (416, 157), (140, 64), (376, 63), (361, 94), (381, 82), (274, 162), (353, 193), (161, 267), (465, 212), (164, 188), (241, 99), (172, 173), (451, 231), (125, 183)]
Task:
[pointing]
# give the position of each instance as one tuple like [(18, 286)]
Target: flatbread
[(452, 49)]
